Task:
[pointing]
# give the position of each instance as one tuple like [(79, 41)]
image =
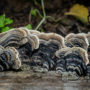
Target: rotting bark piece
[(21, 39), (77, 40), (9, 59), (44, 56), (75, 61)]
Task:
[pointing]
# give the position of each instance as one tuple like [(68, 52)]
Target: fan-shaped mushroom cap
[(61, 52), (9, 58), (78, 40), (45, 54), (32, 38), (36, 42), (80, 51), (19, 36), (35, 32), (14, 57), (51, 38), (88, 37)]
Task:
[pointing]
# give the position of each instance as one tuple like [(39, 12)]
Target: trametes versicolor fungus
[(72, 60), (88, 66), (9, 59), (77, 40), (88, 37), (21, 40), (44, 56), (17, 37), (49, 51)]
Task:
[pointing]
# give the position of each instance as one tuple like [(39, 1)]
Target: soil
[(19, 11)]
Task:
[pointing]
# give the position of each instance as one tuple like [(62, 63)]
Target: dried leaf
[(80, 12)]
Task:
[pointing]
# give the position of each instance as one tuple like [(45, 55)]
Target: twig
[(53, 19), (40, 24), (44, 15)]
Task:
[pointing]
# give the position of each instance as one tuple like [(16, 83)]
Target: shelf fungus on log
[(72, 61), (21, 39), (88, 37), (77, 40), (88, 66), (9, 59), (34, 32), (44, 56)]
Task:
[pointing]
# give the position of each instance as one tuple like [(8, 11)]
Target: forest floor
[(19, 11)]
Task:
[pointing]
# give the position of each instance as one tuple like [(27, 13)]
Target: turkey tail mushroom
[(61, 63), (9, 59), (72, 60), (49, 44), (88, 66), (32, 38), (77, 40), (13, 38), (52, 38), (34, 32), (21, 39), (88, 37)]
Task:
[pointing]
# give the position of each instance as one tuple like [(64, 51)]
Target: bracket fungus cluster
[(17, 40), (46, 51), (9, 59), (72, 60), (44, 56), (77, 40)]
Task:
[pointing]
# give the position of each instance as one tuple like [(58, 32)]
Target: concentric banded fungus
[(21, 39), (9, 59), (13, 38), (77, 40), (88, 67), (61, 62), (34, 32), (49, 44), (73, 60), (88, 36)]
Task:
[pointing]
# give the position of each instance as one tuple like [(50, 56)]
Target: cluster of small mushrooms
[(46, 51)]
